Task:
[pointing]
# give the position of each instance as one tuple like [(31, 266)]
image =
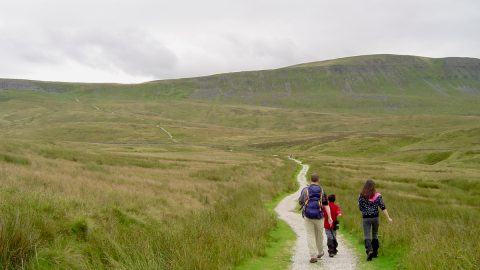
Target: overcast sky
[(141, 40)]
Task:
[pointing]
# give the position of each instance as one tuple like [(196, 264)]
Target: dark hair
[(331, 198), (368, 189), (314, 178)]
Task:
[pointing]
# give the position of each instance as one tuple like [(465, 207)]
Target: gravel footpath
[(286, 210)]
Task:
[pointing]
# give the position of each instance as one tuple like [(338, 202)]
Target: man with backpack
[(312, 199)]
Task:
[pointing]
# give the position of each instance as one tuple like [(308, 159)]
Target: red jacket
[(335, 211)]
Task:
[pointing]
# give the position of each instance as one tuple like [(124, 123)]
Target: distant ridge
[(390, 59), (383, 82), (362, 60)]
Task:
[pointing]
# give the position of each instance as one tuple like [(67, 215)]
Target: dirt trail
[(286, 210), (168, 133)]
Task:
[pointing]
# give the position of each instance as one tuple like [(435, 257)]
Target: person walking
[(368, 202), (331, 229), (312, 198)]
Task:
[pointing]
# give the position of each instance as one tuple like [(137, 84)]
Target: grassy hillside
[(83, 188), (375, 83), (91, 179)]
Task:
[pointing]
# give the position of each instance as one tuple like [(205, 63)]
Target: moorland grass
[(102, 188), (280, 241), (66, 210)]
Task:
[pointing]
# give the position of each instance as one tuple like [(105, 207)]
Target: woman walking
[(368, 202)]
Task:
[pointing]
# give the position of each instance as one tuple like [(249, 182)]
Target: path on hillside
[(168, 133), (286, 210)]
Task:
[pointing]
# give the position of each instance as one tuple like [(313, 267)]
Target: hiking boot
[(320, 255), (368, 246), (370, 256), (375, 246), (331, 255), (313, 260)]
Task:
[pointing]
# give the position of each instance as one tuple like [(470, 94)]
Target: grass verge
[(281, 239), (279, 250), (382, 262)]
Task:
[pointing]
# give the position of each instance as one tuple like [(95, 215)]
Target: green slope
[(373, 83)]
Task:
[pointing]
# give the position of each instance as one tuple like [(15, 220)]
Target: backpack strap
[(321, 199), (307, 197)]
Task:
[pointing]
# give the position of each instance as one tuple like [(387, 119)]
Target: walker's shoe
[(313, 260), (331, 245), (320, 255), (370, 256), (331, 255), (368, 246)]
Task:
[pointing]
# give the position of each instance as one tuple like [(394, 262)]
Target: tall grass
[(14, 159), (19, 240), (49, 222), (234, 229)]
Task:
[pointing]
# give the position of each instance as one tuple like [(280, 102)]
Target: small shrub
[(463, 184), (434, 158), (15, 159), (220, 174), (80, 228), (428, 185), (472, 152), (124, 218), (91, 166)]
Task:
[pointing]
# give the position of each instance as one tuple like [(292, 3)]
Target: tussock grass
[(113, 215), (434, 158), (220, 174), (14, 159), (92, 159), (18, 240), (428, 185), (280, 240), (80, 228)]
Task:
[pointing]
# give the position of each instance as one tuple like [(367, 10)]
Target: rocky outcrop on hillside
[(26, 85)]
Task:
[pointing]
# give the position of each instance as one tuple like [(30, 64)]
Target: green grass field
[(90, 179), (280, 243)]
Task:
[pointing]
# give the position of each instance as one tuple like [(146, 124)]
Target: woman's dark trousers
[(370, 232)]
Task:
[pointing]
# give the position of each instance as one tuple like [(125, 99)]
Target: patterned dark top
[(369, 207)]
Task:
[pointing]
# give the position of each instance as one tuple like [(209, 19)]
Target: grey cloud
[(158, 39), (130, 51), (275, 50)]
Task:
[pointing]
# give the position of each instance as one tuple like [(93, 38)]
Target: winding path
[(345, 259)]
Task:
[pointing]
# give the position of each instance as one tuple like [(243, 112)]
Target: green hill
[(373, 83)]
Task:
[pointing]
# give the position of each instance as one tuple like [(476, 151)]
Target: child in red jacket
[(330, 229)]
